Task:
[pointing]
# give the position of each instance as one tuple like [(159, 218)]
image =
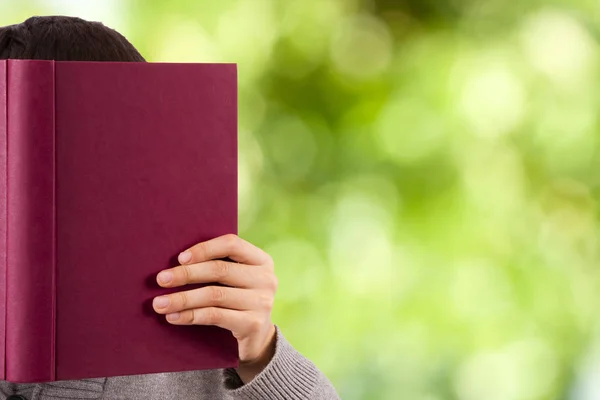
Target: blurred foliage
[(425, 174)]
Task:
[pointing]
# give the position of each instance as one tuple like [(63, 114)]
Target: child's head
[(65, 39)]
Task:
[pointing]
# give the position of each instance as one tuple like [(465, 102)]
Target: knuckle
[(220, 270), (231, 241), (266, 301), (182, 299), (213, 316), (202, 250), (186, 273), (192, 317), (273, 283), (217, 294), (269, 261)]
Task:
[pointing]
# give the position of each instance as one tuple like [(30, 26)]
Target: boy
[(270, 368)]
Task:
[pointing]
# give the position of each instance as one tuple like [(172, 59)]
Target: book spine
[(3, 218), (31, 260)]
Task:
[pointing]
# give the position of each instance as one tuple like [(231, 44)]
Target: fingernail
[(184, 257), (161, 302), (165, 277), (173, 317)]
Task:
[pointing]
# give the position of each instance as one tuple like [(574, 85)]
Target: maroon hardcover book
[(108, 171)]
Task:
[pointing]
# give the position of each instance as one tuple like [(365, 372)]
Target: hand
[(243, 306)]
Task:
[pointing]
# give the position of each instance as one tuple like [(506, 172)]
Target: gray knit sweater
[(289, 376)]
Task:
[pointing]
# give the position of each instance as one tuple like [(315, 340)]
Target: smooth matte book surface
[(107, 172)]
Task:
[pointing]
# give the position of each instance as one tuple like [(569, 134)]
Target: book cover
[(108, 171)]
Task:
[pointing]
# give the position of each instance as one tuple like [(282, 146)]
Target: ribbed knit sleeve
[(289, 376)]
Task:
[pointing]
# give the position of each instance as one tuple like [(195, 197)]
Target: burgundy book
[(107, 172)]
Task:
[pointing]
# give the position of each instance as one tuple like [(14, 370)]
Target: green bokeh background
[(425, 174)]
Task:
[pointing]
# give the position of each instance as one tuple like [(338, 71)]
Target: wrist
[(248, 370)]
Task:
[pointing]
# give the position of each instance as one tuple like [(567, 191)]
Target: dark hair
[(64, 38)]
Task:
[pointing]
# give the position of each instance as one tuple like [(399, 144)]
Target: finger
[(231, 246), (227, 273), (243, 322), (208, 296)]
